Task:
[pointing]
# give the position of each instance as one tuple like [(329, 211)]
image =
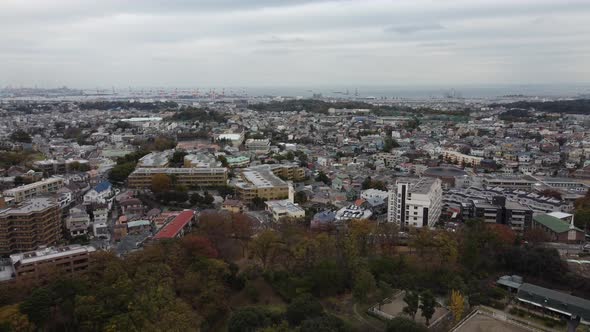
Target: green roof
[(554, 224), (237, 159)]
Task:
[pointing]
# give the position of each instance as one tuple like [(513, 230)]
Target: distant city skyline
[(265, 43)]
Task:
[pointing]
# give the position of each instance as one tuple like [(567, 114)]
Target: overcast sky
[(195, 43)]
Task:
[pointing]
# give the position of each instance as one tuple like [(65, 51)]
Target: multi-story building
[(155, 159), (235, 139), (201, 160), (78, 221), (460, 158), (238, 161), (52, 166), (415, 202), (199, 176), (258, 146), (501, 211), (22, 193), (39, 264), (285, 171), (261, 181), (29, 225), (509, 182)]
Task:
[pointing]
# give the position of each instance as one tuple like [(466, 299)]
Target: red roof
[(174, 227)]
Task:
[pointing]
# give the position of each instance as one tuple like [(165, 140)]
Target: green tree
[(21, 136), (322, 177), (412, 300), (120, 172), (37, 307), (428, 305), (385, 292), (364, 284), (300, 197), (258, 203), (265, 246), (402, 324), (324, 323), (178, 157), (303, 307), (248, 319)]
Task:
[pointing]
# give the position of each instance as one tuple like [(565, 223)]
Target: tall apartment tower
[(34, 223), (415, 202)]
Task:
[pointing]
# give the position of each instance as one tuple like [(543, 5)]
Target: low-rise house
[(101, 193), (78, 221), (281, 209), (558, 229)]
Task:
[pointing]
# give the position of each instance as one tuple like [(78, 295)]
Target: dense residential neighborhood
[(410, 186)]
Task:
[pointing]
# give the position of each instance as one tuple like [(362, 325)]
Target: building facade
[(33, 223), (141, 178), (415, 203), (39, 264), (22, 193)]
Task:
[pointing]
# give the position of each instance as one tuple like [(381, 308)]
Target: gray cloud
[(413, 28), (279, 40), (269, 42)]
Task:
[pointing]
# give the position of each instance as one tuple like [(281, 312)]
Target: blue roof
[(104, 185), (324, 216)]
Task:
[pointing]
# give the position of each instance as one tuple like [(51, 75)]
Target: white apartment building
[(31, 190), (415, 202)]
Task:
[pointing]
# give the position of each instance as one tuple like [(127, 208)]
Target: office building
[(415, 202)]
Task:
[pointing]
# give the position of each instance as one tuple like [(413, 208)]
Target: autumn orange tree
[(161, 183)]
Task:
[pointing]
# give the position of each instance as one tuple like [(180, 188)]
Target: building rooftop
[(423, 185), (172, 229), (32, 205), (444, 171), (555, 300), (262, 177), (155, 159), (560, 215), (49, 253), (554, 224), (191, 170), (202, 160), (284, 205), (10, 192), (104, 185), (137, 223)]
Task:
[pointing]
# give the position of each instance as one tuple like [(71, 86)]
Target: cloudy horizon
[(293, 43)]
